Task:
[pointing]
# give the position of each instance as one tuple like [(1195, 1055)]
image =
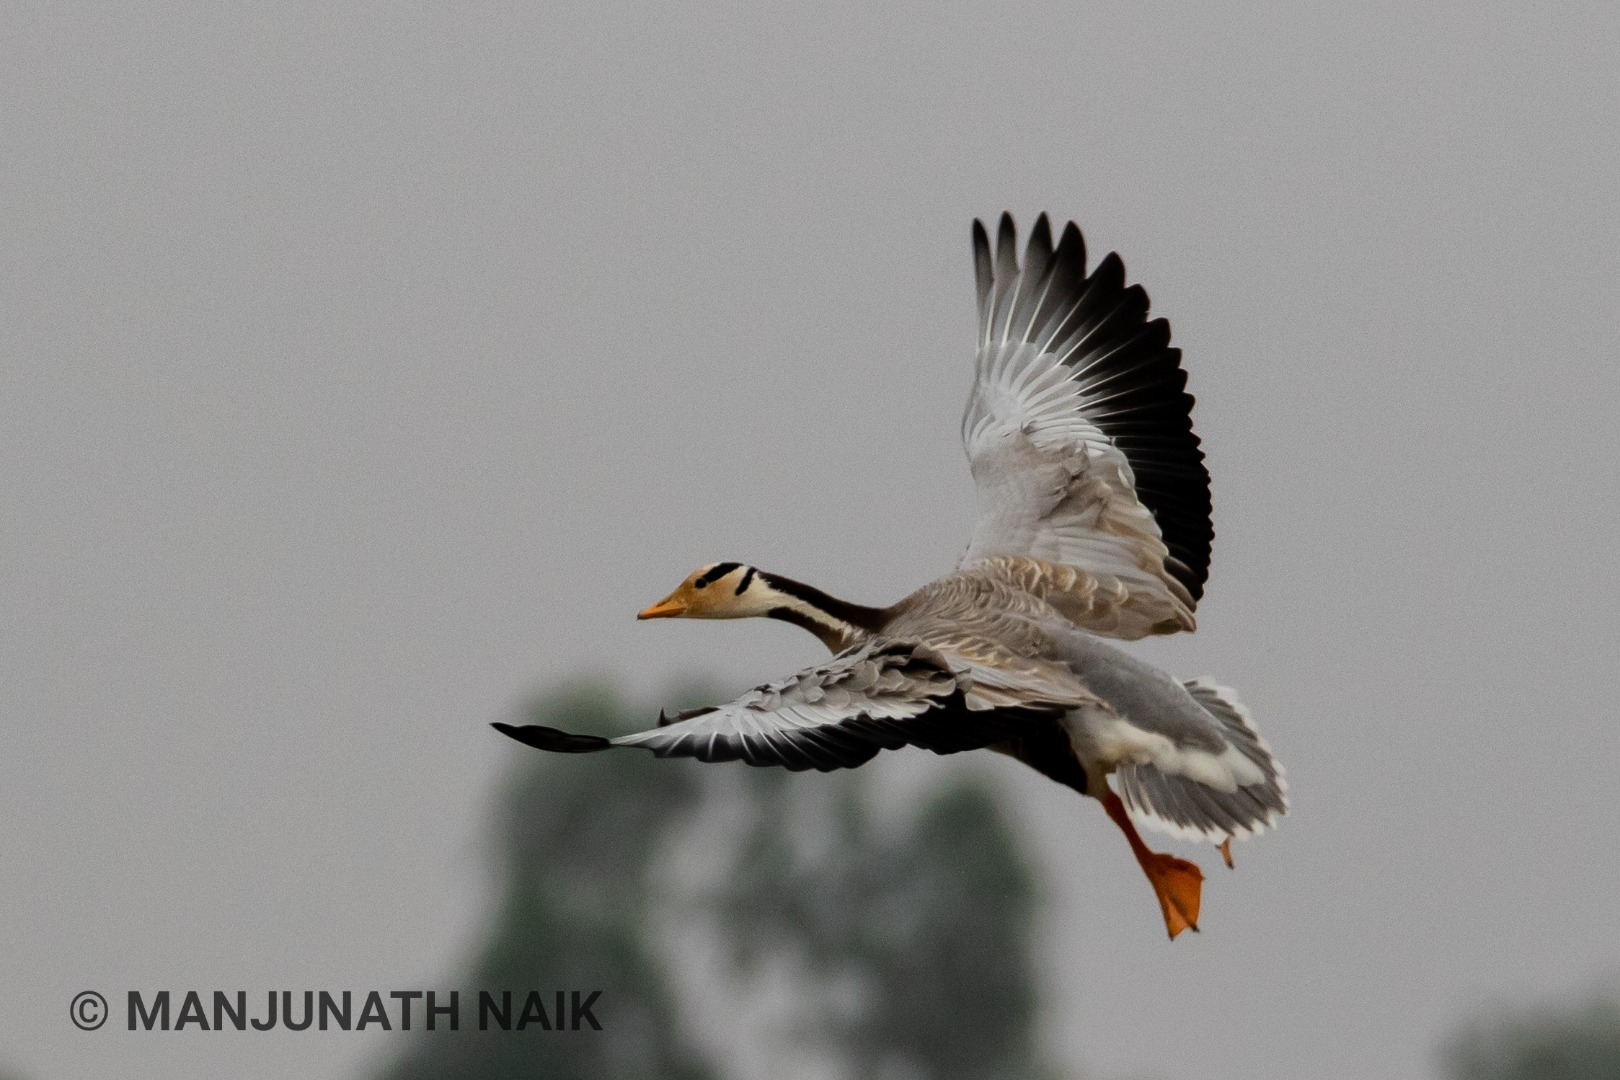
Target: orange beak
[(667, 608)]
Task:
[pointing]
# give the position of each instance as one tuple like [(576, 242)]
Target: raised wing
[(880, 695), (1079, 434)]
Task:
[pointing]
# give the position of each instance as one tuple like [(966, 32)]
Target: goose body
[(1093, 522)]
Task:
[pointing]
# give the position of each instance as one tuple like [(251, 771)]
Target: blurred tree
[(912, 945), (576, 837), (1581, 1043), (915, 948)]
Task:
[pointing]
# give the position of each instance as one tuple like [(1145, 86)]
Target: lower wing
[(880, 695)]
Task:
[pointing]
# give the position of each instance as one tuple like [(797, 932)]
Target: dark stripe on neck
[(716, 572), (748, 579), (870, 619), (829, 636)]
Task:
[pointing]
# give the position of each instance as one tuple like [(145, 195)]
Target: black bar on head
[(716, 572)]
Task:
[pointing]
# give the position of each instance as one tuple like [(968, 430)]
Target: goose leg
[(1177, 882)]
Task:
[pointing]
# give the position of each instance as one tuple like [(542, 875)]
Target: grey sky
[(365, 371)]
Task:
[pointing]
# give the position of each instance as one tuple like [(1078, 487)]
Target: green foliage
[(911, 946), (916, 947), (1573, 1044)]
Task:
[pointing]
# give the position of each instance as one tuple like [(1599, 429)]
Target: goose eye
[(700, 584)]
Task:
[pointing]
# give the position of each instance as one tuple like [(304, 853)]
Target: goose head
[(730, 590), (723, 590)]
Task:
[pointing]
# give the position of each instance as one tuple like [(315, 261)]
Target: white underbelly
[(1103, 741)]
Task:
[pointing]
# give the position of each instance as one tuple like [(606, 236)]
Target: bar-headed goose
[(1093, 520)]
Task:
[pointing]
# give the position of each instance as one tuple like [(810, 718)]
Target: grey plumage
[(1194, 811)]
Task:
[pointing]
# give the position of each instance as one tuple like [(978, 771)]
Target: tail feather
[(1193, 811)]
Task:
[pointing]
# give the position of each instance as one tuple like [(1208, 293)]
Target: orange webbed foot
[(1179, 885), (1226, 852)]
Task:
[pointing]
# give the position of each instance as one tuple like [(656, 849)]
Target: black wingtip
[(983, 274), (1040, 240), (1007, 245), (560, 742), (1071, 249)]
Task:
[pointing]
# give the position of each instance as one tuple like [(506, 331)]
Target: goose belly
[(1103, 741)]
